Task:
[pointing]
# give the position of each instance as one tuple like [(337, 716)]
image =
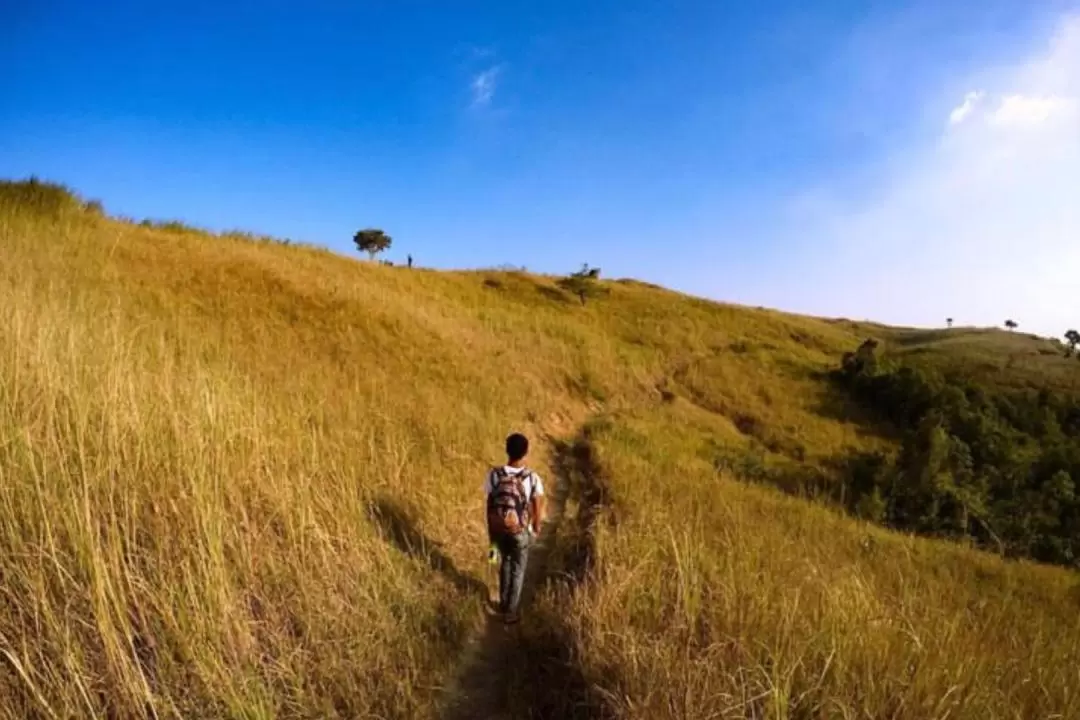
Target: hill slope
[(241, 480)]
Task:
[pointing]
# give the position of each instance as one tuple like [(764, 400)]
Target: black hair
[(517, 447)]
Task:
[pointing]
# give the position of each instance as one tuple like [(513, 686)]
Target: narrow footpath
[(528, 670)]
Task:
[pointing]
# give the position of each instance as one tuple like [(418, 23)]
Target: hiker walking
[(410, 261), (515, 514)]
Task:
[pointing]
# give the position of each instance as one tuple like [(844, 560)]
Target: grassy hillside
[(242, 480), (1011, 360)]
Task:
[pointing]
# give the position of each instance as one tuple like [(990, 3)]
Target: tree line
[(977, 461)]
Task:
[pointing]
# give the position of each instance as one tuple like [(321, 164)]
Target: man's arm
[(487, 492), (537, 511)]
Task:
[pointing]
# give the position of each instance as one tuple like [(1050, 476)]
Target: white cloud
[(483, 86), (980, 224), (961, 111), (1018, 110), (1012, 110)]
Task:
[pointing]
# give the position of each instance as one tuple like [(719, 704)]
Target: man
[(514, 504)]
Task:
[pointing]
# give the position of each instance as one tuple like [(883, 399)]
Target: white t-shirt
[(534, 486)]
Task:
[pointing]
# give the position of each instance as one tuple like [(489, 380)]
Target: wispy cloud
[(1015, 110), (480, 53), (981, 223), (484, 84), (961, 111)]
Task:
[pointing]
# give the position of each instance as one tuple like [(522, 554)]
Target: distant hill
[(241, 479), (1010, 359)]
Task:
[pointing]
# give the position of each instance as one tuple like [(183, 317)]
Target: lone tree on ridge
[(372, 241)]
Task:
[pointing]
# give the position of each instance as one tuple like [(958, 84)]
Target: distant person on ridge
[(515, 514)]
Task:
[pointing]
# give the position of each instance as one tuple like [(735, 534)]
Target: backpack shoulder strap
[(526, 474), (495, 474)]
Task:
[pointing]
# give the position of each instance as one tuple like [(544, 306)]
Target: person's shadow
[(398, 526)]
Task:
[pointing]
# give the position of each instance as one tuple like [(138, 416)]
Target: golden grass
[(241, 480), (770, 607)]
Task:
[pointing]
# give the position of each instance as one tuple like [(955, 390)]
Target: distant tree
[(585, 283), (372, 241), (1073, 338), (948, 322), (1011, 325)]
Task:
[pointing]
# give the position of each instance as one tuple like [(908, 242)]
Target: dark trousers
[(514, 554)]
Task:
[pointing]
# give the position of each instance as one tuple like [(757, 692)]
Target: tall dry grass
[(185, 537), (719, 599), (241, 480)]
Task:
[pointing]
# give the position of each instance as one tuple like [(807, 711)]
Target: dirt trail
[(528, 670)]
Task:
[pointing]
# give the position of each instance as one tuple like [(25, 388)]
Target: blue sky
[(895, 161)]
